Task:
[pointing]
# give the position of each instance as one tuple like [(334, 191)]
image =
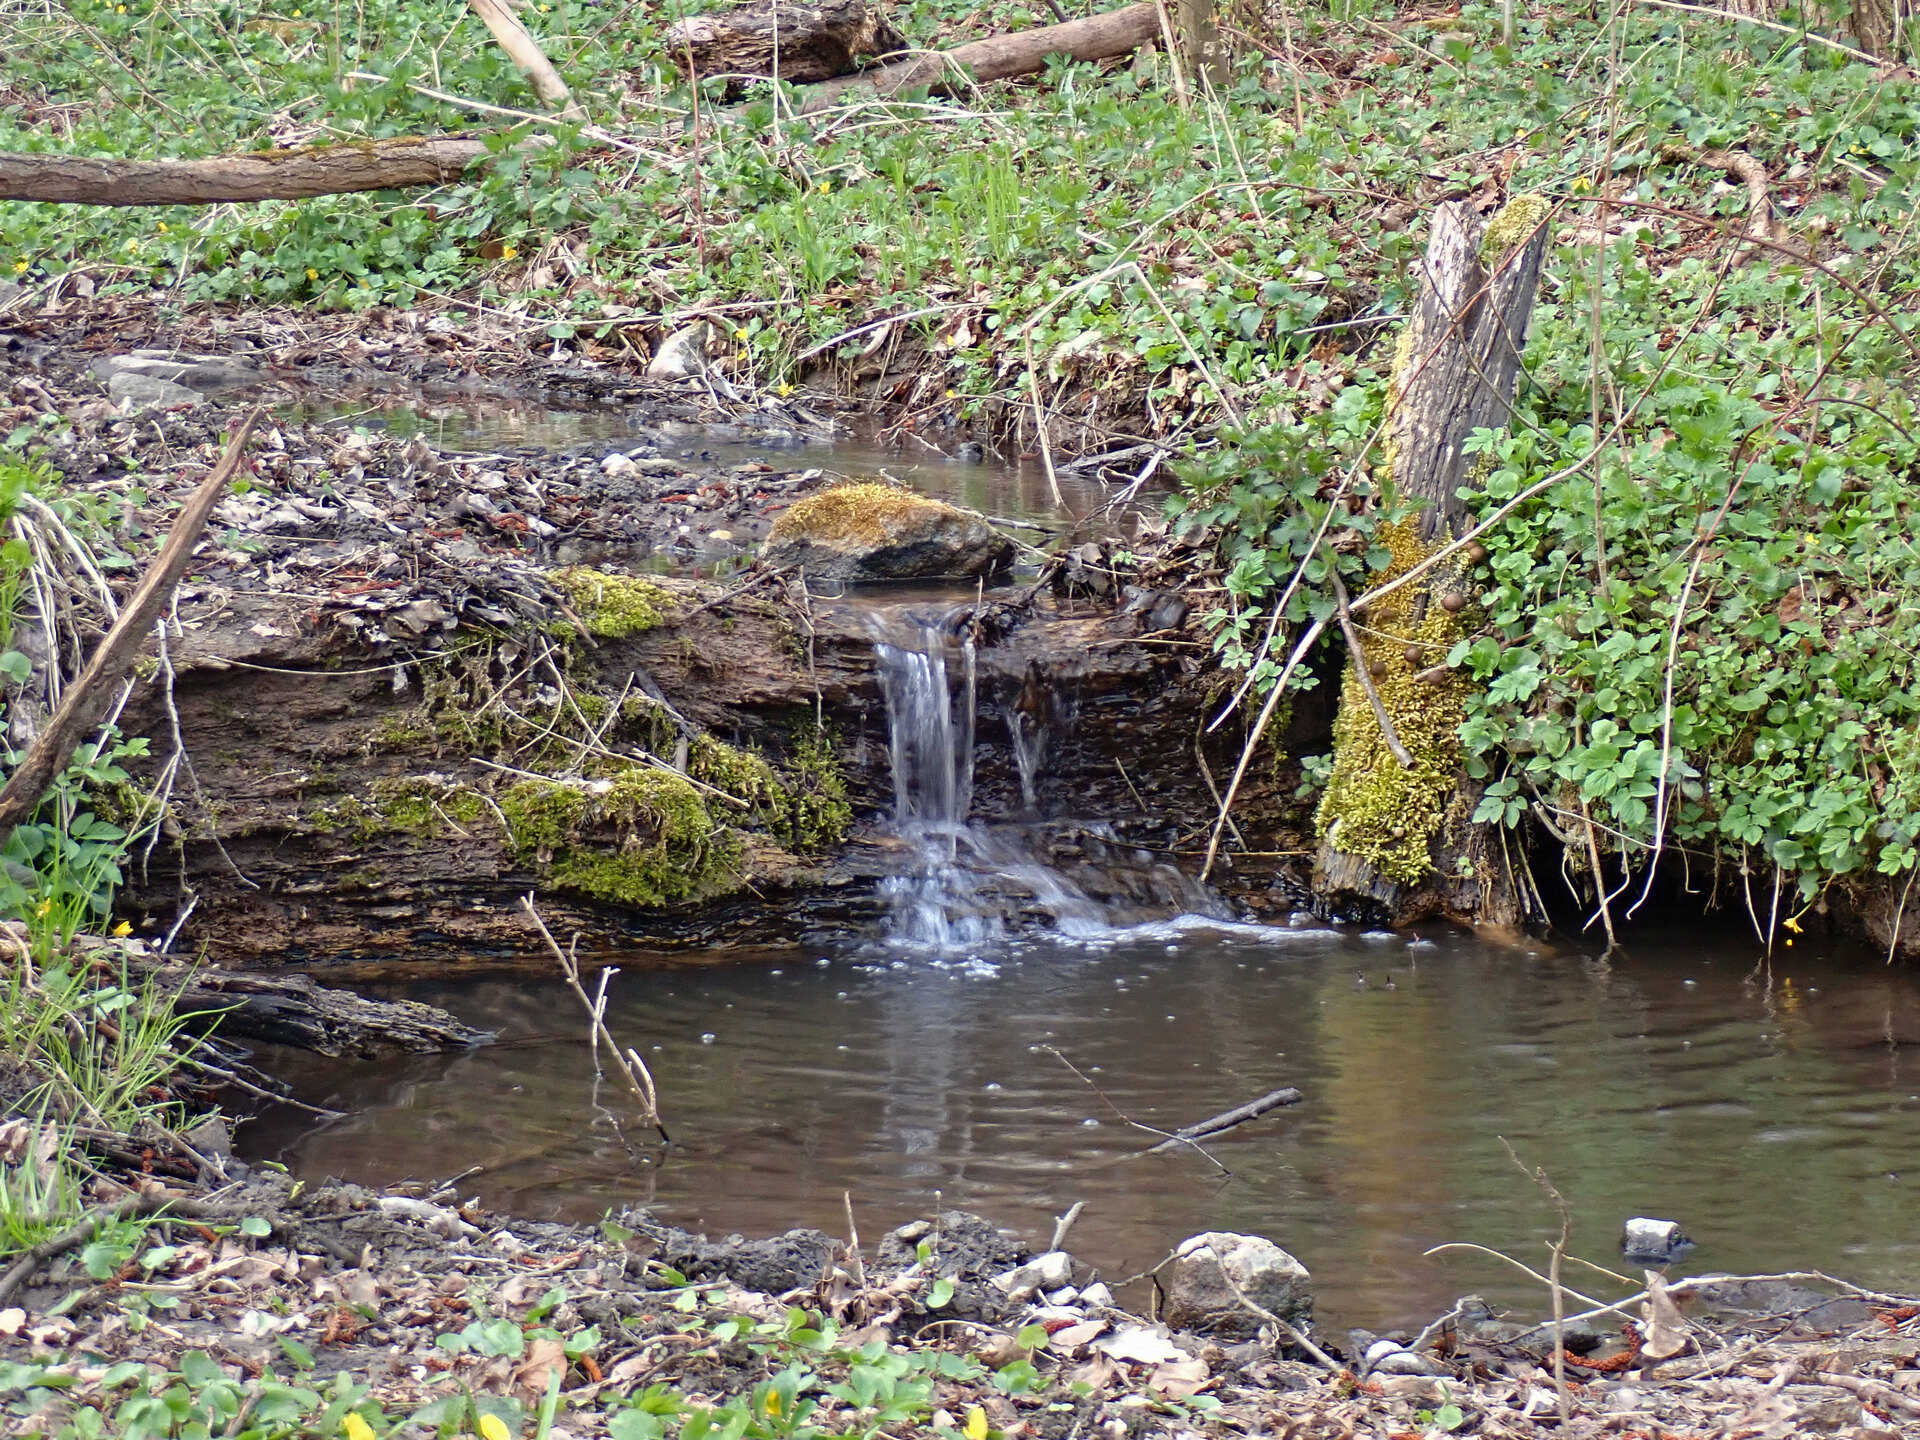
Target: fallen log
[(1228, 1119), (798, 43), (1098, 37), (292, 1010), (298, 174)]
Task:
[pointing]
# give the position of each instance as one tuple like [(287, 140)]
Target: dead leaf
[(1069, 1338), (1666, 1328), (1140, 1345), (1180, 1379), (545, 1359)]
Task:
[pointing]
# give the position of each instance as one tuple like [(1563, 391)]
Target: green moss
[(614, 606), (1514, 225), (821, 814), (805, 808), (1375, 808), (644, 838), (864, 513)]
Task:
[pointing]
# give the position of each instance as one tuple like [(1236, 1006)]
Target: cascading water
[(955, 892)]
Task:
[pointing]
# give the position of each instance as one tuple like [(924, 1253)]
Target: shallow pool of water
[(1777, 1117)]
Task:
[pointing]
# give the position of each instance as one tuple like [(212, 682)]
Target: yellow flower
[(312, 274), (825, 187), (119, 9), (783, 391), (46, 909), (161, 227), (122, 930), (507, 252), (1791, 924), (773, 1402), (19, 267), (976, 1424), (742, 336), (354, 1427), (492, 1427)]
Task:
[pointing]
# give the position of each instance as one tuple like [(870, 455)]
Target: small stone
[(616, 465), (682, 354), (1200, 1298), (1049, 1271), (1405, 1362), (1096, 1296), (134, 392), (873, 531)]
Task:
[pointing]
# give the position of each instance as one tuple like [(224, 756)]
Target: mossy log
[(1397, 842), (797, 43), (393, 164)]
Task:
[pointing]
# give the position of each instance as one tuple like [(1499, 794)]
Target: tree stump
[(1397, 841), (799, 43)]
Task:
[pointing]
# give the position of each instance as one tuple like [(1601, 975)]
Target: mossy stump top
[(871, 531)]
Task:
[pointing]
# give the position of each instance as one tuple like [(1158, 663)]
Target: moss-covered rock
[(643, 838), (614, 606), (872, 531)]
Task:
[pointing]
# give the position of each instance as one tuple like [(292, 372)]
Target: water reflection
[(1778, 1121)]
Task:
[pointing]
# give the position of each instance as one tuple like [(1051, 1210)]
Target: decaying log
[(292, 1010), (394, 164), (86, 699), (1098, 37), (798, 43), (1397, 839)]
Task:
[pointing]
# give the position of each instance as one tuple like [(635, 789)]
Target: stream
[(1777, 1119), (922, 1063)]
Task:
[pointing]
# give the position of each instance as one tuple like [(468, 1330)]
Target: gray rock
[(1653, 1242), (1406, 1362), (854, 533), (1049, 1271), (132, 392), (682, 354), (198, 372), (1200, 1297), (1096, 1296)]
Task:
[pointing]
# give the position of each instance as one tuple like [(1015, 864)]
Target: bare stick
[(1168, 1136), (639, 1079), (1285, 1327), (86, 699), (1063, 1223), (1228, 1119), (526, 53), (853, 1242), (1539, 1177), (1365, 676)]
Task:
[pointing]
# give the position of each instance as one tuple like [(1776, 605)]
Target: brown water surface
[(1777, 1117)]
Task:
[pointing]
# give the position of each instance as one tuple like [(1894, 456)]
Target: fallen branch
[(1228, 1119), (639, 1079), (525, 52), (91, 1224), (1097, 37), (393, 164), (86, 699)]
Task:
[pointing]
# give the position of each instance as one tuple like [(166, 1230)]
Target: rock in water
[(1200, 1298), (871, 531), (1653, 1242)]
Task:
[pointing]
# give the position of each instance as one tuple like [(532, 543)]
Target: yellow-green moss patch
[(864, 513), (1514, 225), (644, 838), (1375, 808), (614, 606)]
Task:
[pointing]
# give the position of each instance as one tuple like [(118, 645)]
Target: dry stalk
[(1559, 1202), (631, 1067)]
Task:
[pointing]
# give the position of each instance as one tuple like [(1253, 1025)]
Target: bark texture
[(1206, 52), (1397, 839), (395, 164), (1098, 37), (798, 43)]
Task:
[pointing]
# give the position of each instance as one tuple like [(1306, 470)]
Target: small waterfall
[(956, 893)]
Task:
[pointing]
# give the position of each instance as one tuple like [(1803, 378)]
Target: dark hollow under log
[(798, 43), (1397, 839)]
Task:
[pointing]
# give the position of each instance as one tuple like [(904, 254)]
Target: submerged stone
[(871, 531)]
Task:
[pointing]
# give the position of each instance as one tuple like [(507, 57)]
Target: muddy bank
[(277, 1296), (413, 683)]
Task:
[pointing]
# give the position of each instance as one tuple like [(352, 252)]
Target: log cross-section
[(798, 43), (1397, 839)]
